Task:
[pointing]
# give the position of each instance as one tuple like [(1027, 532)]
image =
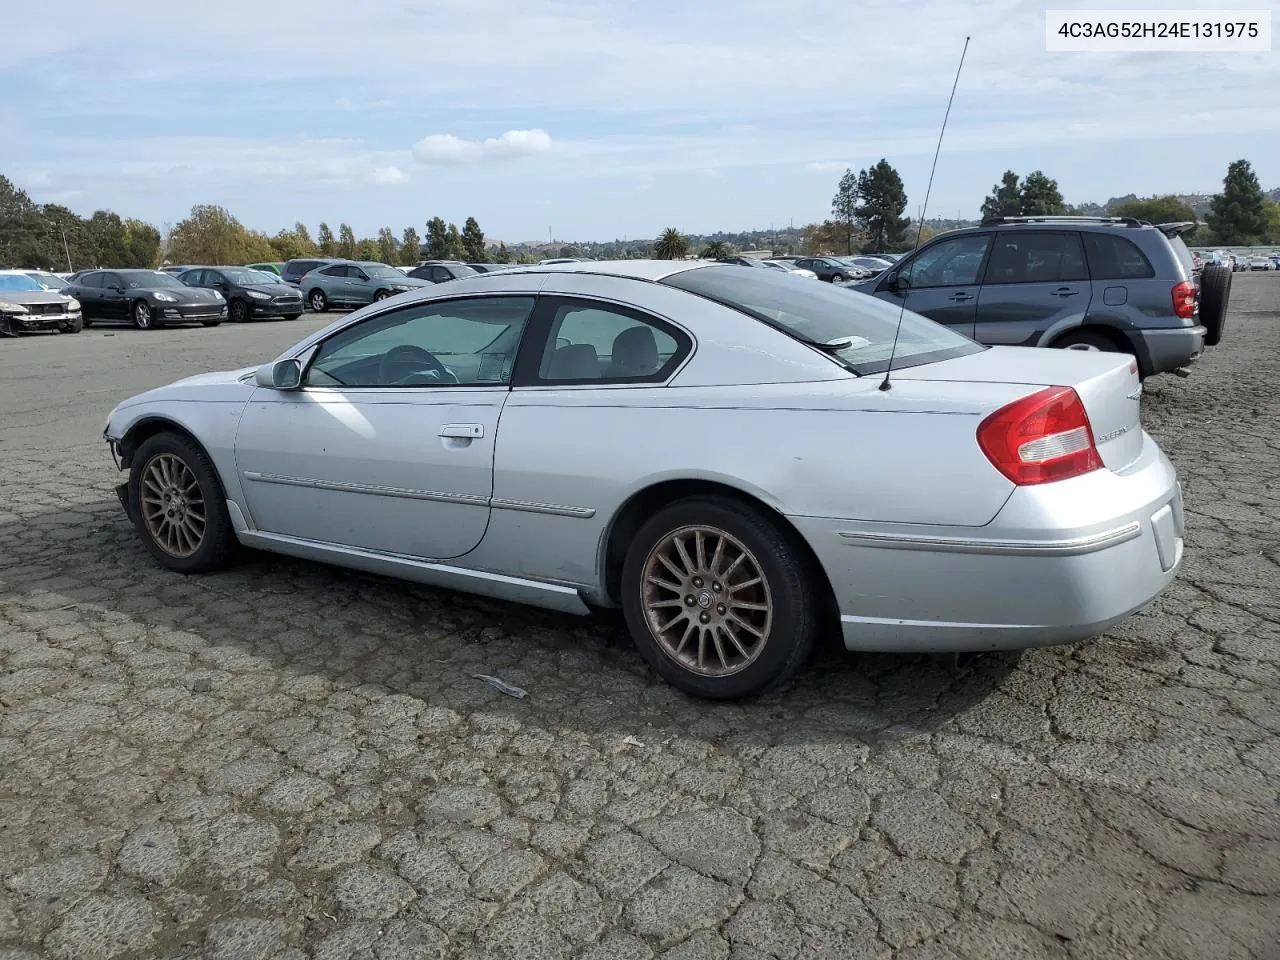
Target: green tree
[(211, 235), (346, 241), (141, 245), (1166, 209), (286, 245), (502, 254), (453, 241), (325, 241), (881, 200), (105, 230), (715, 250), (1238, 214), (844, 207), (63, 223), (1272, 210), (410, 247), (1005, 199), (473, 241), (305, 243), (670, 246), (437, 239), (1039, 196), (388, 252), (366, 248)]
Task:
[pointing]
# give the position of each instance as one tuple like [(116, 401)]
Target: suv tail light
[(1184, 300), (1041, 438)]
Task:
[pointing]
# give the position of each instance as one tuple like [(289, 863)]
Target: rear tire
[(1087, 340), (721, 632), (178, 505), (1215, 295)]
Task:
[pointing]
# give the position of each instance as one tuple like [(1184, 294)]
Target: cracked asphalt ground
[(288, 760)]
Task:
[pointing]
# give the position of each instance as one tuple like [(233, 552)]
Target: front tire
[(239, 312), (143, 316), (719, 598), (318, 301), (381, 295), (178, 505)]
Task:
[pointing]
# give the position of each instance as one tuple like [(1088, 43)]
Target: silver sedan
[(723, 453)]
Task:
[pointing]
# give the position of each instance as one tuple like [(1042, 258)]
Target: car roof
[(635, 269)]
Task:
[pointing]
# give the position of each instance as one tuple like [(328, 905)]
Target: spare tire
[(1215, 292)]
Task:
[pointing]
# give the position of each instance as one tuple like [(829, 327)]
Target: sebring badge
[(1112, 435)]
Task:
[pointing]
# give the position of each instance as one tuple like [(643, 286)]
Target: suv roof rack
[(1068, 218)]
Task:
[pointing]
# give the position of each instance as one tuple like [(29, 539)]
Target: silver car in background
[(710, 448)]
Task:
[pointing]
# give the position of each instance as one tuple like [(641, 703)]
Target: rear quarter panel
[(835, 449)]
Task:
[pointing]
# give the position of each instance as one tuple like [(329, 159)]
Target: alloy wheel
[(173, 507), (141, 315), (707, 601)]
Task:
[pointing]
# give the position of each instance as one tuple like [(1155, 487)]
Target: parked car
[(767, 265), (1259, 263), (1016, 500), (250, 294), (554, 260), (442, 271), (175, 268), (830, 269), (50, 281), (354, 283), (296, 269), (874, 266), (1085, 283), (27, 306), (486, 267), (145, 298), (789, 268), (274, 266)]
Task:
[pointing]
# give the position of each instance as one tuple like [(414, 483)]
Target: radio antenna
[(884, 384)]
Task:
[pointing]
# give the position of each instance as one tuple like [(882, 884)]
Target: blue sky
[(596, 119)]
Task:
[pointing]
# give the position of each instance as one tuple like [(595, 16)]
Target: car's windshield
[(379, 271), (152, 280), (48, 280), (244, 275), (855, 328), (19, 283)]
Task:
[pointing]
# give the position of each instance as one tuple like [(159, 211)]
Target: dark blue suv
[(1084, 283)]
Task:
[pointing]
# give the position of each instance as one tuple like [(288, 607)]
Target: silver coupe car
[(722, 453)]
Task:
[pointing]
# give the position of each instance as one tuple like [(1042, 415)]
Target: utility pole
[(66, 249)]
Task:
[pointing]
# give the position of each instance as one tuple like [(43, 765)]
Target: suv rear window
[(1115, 258)]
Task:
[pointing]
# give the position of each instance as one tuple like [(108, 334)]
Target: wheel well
[(643, 504), (1117, 337), (144, 430)]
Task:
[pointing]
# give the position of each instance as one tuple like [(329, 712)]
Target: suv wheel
[(318, 301), (1086, 340)]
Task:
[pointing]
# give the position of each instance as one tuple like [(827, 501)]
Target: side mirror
[(897, 283), (282, 375)]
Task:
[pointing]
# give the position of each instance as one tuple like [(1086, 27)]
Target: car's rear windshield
[(856, 329)]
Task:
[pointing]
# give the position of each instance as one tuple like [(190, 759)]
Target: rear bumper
[(1165, 350), (1059, 563)]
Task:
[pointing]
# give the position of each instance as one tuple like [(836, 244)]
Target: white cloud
[(827, 166), (445, 149), (388, 175)]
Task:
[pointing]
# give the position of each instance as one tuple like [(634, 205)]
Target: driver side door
[(942, 281), (388, 444)]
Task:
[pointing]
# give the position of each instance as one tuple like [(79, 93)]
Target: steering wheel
[(413, 357)]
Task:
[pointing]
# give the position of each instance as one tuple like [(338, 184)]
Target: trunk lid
[(1107, 384)]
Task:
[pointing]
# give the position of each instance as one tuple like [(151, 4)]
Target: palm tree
[(715, 250), (670, 246)]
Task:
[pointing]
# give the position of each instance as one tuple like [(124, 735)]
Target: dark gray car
[(1085, 283)]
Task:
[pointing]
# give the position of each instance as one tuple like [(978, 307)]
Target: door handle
[(462, 431), (1065, 292), (961, 297)]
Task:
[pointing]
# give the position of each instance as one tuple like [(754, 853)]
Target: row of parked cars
[(36, 300)]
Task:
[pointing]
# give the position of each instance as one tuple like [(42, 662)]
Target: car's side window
[(468, 343), (949, 263), (335, 271), (112, 280), (355, 273), (91, 280), (1115, 258), (195, 278), (1036, 256), (597, 343)]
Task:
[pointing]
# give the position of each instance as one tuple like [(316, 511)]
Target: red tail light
[(1184, 300), (1041, 438)]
